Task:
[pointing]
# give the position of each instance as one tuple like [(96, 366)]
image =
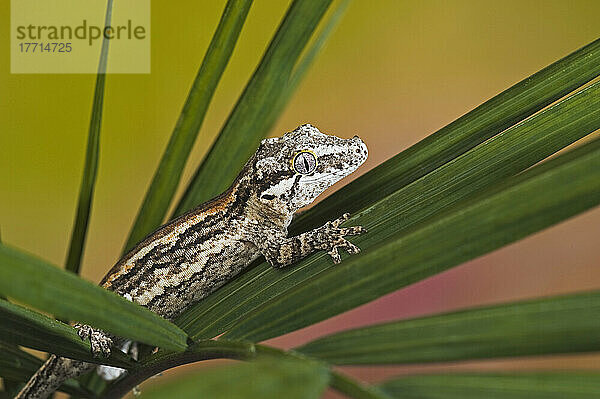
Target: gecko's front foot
[(331, 237), (100, 342)]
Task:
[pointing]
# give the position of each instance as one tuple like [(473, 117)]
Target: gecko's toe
[(101, 344), (351, 248), (101, 348), (335, 255), (96, 350), (352, 231), (83, 330), (105, 347), (338, 222)]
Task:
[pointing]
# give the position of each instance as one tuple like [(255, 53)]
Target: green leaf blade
[(38, 284), (306, 61), (490, 118), (572, 385), (260, 379), (90, 169), (15, 364), (562, 324), (488, 164), (167, 176), (355, 389), (466, 231), (21, 326), (254, 113)]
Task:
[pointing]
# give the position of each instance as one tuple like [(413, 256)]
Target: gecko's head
[(295, 169)]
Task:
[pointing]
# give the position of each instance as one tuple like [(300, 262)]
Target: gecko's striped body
[(190, 257)]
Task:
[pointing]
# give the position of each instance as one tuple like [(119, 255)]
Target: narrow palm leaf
[(536, 199), (167, 175), (254, 114), (239, 350), (21, 326), (310, 55), (164, 360), (16, 366), (261, 379), (90, 169), (41, 285), (355, 389), (498, 113), (561, 324), (11, 388), (503, 156), (581, 385)]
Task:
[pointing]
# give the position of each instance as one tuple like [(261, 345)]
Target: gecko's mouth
[(330, 177)]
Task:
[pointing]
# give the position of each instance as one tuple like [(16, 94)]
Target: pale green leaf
[(41, 285), (261, 379), (167, 175)]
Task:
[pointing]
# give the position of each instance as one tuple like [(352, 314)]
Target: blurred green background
[(393, 72)]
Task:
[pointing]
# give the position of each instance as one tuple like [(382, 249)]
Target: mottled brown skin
[(190, 257)]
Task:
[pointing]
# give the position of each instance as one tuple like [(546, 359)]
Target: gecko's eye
[(304, 162)]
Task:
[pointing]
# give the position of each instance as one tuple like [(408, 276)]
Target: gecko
[(190, 257)]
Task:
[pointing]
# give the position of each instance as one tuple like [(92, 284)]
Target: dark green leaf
[(536, 199), (41, 285), (261, 379), (166, 177), (71, 387), (11, 388), (199, 351), (254, 112), (561, 324), (16, 364), (90, 169), (581, 385), (500, 112), (500, 157), (76, 389), (92, 382), (21, 326)]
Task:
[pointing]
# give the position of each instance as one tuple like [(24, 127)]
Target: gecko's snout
[(359, 151), (361, 146), (357, 140)]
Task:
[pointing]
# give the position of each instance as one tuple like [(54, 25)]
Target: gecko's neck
[(272, 213), (267, 214)]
